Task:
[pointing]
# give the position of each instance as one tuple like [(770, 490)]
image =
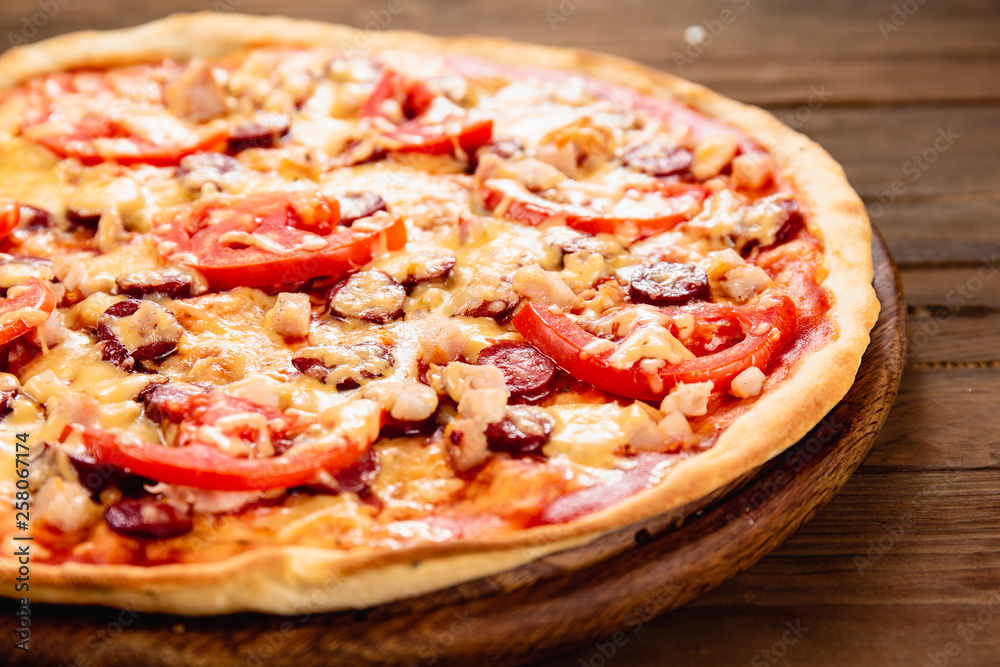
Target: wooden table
[(903, 567)]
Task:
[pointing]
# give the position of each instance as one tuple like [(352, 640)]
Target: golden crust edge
[(293, 573)]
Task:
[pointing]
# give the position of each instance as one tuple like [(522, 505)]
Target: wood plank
[(942, 418), (964, 336), (921, 232), (955, 48), (914, 537), (905, 153), (955, 287), (892, 635)]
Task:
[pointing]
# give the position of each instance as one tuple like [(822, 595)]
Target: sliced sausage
[(522, 432), (373, 296), (657, 158), (257, 135), (83, 218), (174, 285), (527, 372), (135, 329), (167, 401), (413, 267), (146, 519), (32, 216), (345, 366), (96, 476), (669, 284), (359, 205), (199, 169)]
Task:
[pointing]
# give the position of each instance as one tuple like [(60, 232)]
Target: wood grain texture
[(921, 593)]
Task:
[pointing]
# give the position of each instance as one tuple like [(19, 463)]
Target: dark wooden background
[(902, 568)]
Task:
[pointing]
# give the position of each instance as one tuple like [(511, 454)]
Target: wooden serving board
[(617, 583)]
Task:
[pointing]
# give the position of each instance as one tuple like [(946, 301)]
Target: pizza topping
[(273, 239), (356, 478), (353, 207), (743, 282), (167, 401), (639, 213), (264, 132), (748, 383), (195, 94), (535, 284), (522, 432), (65, 505), (713, 154), (657, 158), (290, 315), (136, 329), (669, 284), (688, 398), (214, 424), (216, 170), (15, 215), (627, 371), (421, 121), (147, 519), (405, 401), (467, 445), (373, 296), (82, 116), (345, 366), (413, 267), (752, 171), (25, 307), (441, 341), (487, 294), (527, 373), (169, 283)]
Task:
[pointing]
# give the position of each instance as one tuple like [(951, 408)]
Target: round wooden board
[(617, 582)]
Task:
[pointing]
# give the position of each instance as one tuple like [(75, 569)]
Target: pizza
[(298, 318)]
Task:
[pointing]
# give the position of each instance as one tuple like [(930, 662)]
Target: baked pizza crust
[(294, 580)]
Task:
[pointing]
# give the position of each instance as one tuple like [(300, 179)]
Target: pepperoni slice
[(528, 373), (669, 284)]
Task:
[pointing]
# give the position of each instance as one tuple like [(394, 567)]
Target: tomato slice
[(113, 117), (197, 463), (97, 138), (204, 467), (677, 200), (10, 216), (556, 335), (30, 306), (443, 131), (274, 239)]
